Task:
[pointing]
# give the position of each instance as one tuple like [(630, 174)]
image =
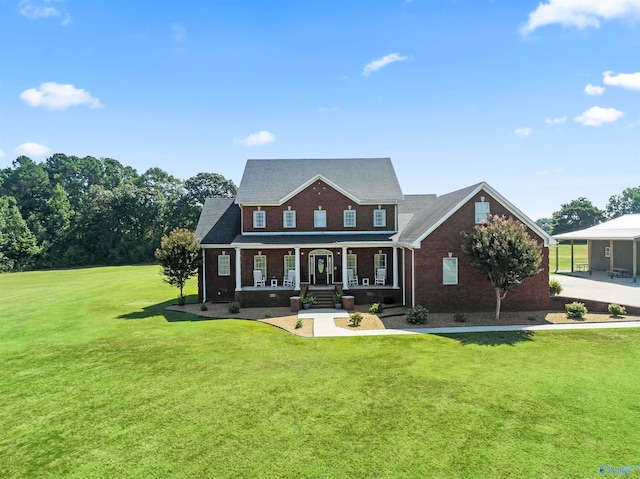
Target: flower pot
[(338, 305), (306, 305)]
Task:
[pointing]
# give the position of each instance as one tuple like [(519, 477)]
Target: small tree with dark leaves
[(179, 257), (504, 251)]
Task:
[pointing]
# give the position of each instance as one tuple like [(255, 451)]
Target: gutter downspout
[(204, 278)]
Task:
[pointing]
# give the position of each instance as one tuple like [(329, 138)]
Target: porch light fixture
[(482, 199), (450, 254)]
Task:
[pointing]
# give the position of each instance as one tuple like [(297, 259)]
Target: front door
[(321, 270)]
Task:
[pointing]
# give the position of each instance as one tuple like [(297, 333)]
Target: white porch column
[(238, 270), (204, 278), (297, 286), (345, 284), (395, 266)]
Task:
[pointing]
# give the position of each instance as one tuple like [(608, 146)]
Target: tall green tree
[(179, 257), (18, 245), (545, 224), (576, 215), (209, 185), (503, 250), (626, 203)]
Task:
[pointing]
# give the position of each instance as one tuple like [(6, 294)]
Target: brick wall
[(219, 288), (310, 199), (473, 292)]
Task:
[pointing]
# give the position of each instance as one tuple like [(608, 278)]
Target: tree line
[(581, 213), (72, 211)]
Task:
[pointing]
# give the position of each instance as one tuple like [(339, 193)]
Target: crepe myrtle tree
[(504, 251), (179, 257)]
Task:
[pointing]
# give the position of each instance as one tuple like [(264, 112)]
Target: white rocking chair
[(290, 279), (258, 279), (381, 276), (352, 278)]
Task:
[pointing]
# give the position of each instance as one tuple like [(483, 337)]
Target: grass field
[(99, 381), (580, 255)]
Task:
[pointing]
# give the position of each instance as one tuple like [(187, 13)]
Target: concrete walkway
[(324, 326)]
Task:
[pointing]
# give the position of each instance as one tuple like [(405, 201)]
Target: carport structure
[(612, 246)]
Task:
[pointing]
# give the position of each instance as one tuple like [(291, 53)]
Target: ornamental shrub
[(418, 315), (355, 319), (616, 310), (376, 308), (234, 308), (298, 324), (459, 317), (555, 287), (576, 310)]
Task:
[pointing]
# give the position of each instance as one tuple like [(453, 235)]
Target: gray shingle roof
[(219, 221), (369, 180), (424, 211)]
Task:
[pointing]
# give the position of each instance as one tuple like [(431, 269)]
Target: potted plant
[(337, 300), (307, 300)]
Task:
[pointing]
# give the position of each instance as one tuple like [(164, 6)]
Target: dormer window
[(289, 219), (349, 218), (379, 218), (482, 212), (259, 219)]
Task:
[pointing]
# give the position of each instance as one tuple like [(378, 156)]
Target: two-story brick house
[(345, 223)]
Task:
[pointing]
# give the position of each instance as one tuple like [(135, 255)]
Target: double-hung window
[(259, 219), (289, 218), (289, 263), (449, 270), (320, 218), (260, 262), (380, 261), (224, 265), (380, 218), (482, 212), (349, 218), (352, 262)]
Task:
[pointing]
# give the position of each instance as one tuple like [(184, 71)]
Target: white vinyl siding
[(482, 212), (320, 218), (380, 218), (289, 218), (449, 270), (224, 265), (259, 219), (349, 218), (260, 262)]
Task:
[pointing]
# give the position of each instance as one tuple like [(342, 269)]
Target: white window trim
[(377, 266), (344, 218), (482, 216), (292, 266), (226, 264), (259, 214), (292, 215), (255, 266), (444, 278), (381, 215), (355, 262), (316, 214)]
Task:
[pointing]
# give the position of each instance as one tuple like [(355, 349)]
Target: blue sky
[(539, 99)]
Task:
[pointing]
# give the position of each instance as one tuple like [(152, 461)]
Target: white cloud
[(596, 116), (593, 89), (376, 65), (43, 9), (178, 33), (58, 96), (580, 13), (556, 121), (630, 81), (2, 154), (32, 149), (632, 125), (523, 132), (256, 139)]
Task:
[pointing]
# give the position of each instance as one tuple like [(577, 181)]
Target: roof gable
[(365, 180), (219, 221)]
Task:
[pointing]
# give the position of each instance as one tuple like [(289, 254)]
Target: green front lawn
[(98, 381)]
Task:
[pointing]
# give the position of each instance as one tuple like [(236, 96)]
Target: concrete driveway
[(599, 287)]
